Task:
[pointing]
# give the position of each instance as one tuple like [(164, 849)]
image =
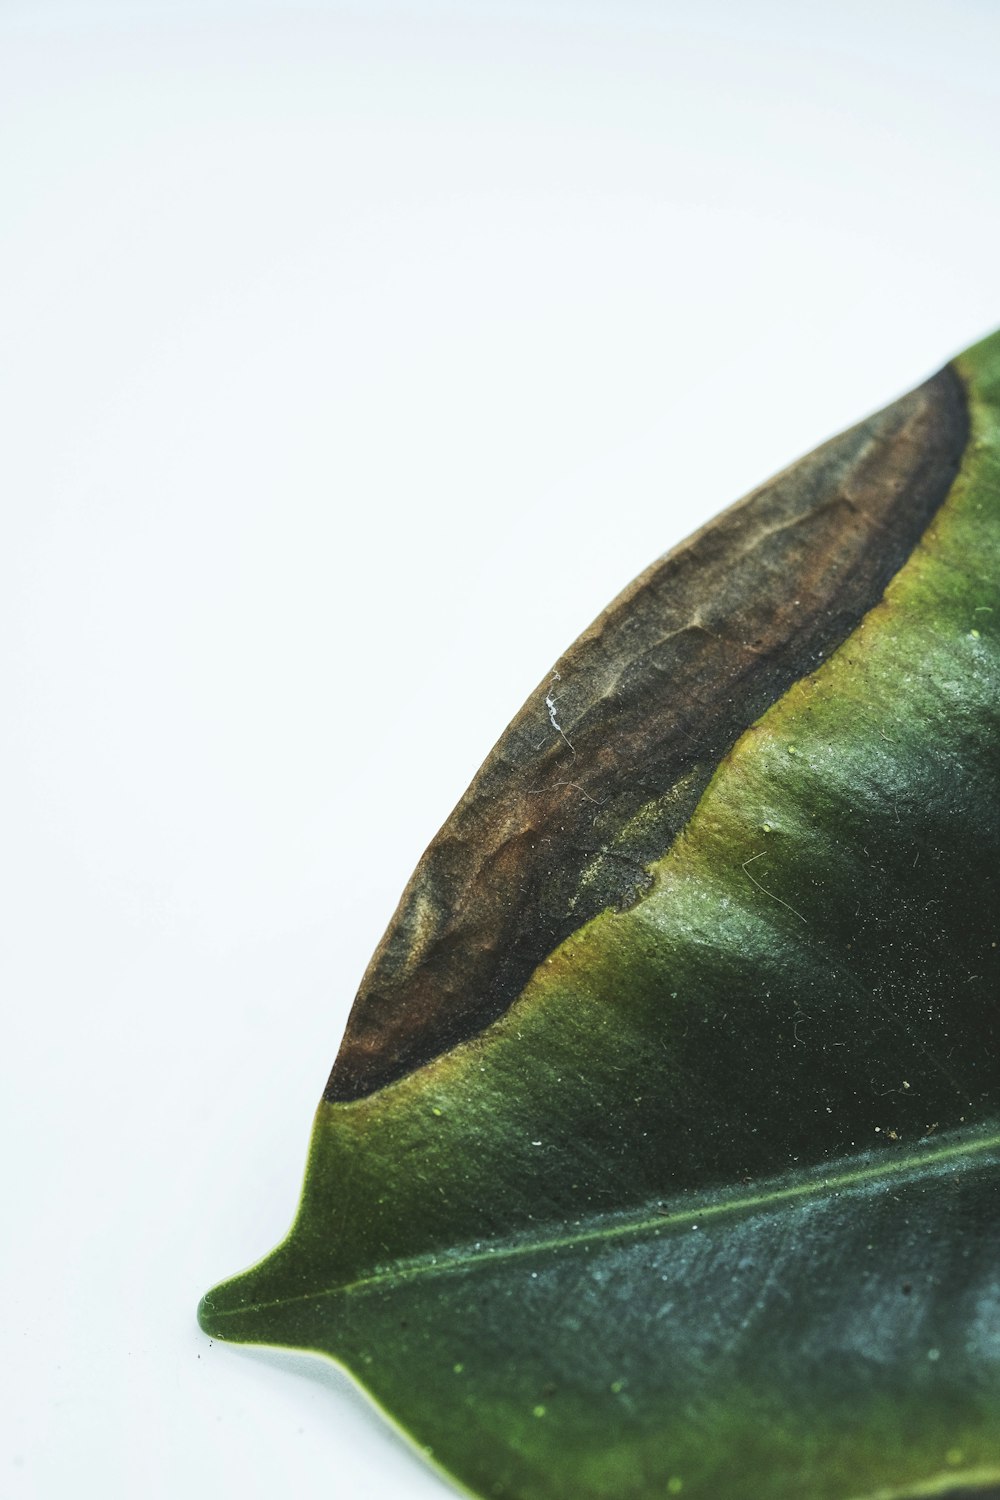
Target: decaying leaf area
[(661, 1156)]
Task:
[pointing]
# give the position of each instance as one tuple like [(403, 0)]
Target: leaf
[(661, 1154)]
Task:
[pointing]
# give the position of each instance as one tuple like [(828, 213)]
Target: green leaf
[(660, 1157)]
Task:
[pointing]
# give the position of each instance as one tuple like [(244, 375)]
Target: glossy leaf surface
[(708, 1204)]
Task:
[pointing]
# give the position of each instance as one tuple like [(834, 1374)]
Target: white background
[(353, 357)]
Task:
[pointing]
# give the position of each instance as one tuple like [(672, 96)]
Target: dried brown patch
[(607, 760)]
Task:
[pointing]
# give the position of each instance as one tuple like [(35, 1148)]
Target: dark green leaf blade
[(715, 1346), (788, 1038)]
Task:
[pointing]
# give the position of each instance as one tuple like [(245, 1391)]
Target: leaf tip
[(219, 1309)]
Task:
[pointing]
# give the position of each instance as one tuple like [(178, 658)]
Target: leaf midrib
[(777, 1193)]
